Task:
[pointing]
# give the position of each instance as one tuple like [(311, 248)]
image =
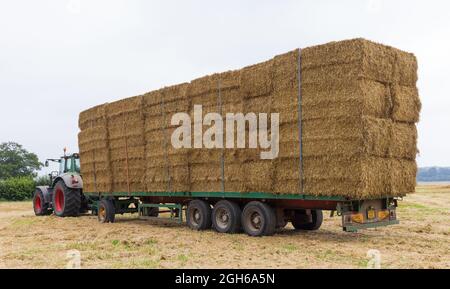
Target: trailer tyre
[(41, 208), (106, 211), (258, 219), (66, 201), (151, 212), (226, 217), (317, 219), (198, 215)]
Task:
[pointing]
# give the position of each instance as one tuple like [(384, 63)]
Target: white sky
[(59, 57)]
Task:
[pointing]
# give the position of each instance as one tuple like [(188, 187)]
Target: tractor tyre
[(41, 208), (66, 201)]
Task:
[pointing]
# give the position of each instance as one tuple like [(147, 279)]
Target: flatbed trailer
[(257, 213)]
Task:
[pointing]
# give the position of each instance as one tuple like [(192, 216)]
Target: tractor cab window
[(77, 165), (62, 165)]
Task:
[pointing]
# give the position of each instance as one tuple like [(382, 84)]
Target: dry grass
[(422, 240)]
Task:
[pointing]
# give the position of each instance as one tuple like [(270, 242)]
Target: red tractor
[(64, 194)]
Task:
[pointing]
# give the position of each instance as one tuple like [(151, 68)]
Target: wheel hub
[(256, 220), (222, 218), (197, 216), (102, 214)]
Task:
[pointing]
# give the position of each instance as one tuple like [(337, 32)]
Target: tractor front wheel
[(41, 208), (66, 201)]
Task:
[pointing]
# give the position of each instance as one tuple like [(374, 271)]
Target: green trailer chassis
[(174, 201)]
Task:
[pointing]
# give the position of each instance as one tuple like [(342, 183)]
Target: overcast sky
[(59, 57)]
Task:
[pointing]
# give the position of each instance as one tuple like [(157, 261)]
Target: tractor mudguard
[(47, 192), (72, 181)]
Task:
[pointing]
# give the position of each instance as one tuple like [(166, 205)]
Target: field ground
[(422, 240)]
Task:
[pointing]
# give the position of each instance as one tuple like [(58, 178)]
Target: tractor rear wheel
[(106, 211), (66, 201), (41, 208)]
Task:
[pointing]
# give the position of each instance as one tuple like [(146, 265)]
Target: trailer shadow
[(160, 222), (323, 234), (326, 235)]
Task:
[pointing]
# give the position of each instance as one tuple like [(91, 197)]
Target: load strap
[(299, 79)]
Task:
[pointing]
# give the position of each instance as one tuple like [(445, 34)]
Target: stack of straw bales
[(359, 106)]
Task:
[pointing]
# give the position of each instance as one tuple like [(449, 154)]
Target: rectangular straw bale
[(406, 103), (156, 180), (201, 86), (175, 92), (206, 186), (95, 116), (351, 59), (256, 80), (285, 71), (229, 80), (206, 172), (345, 98), (405, 70), (233, 172), (403, 141), (102, 184), (169, 108), (125, 111), (403, 176), (286, 176), (259, 176), (152, 98), (259, 104), (370, 136), (351, 177), (232, 95), (206, 99)]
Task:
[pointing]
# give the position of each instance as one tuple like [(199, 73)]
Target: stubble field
[(422, 240)]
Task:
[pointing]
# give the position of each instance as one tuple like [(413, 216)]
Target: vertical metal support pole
[(126, 160), (166, 153), (299, 79), (95, 173), (222, 160)]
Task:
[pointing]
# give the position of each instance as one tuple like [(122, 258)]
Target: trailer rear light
[(358, 218), (382, 215)]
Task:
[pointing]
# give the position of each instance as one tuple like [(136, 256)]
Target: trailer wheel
[(106, 211), (151, 212), (226, 217), (198, 215), (258, 219), (66, 201), (41, 208), (299, 223)]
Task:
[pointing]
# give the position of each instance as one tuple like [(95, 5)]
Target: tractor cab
[(67, 165)]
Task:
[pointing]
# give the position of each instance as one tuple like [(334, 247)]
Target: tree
[(15, 161)]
